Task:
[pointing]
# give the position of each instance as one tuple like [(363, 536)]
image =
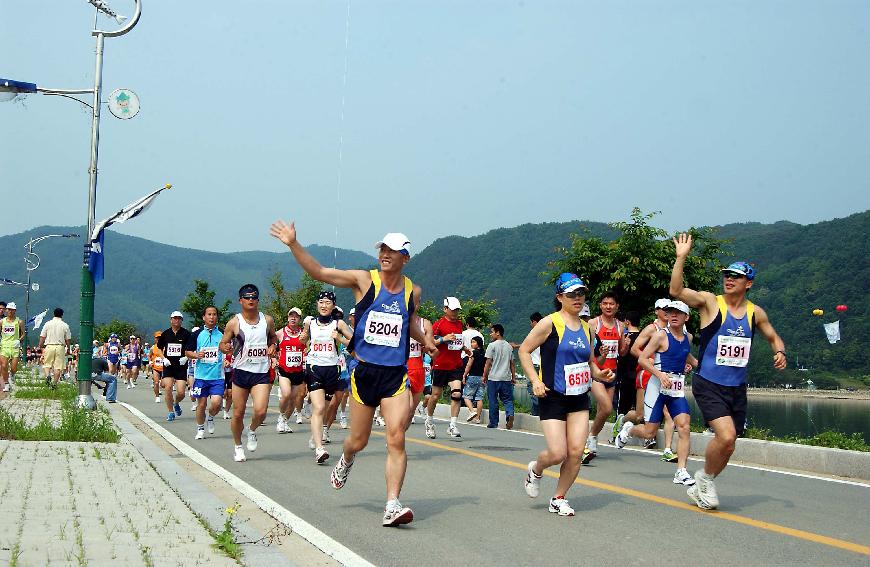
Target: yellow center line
[(776, 528)]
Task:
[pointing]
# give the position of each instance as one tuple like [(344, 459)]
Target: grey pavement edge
[(195, 495)]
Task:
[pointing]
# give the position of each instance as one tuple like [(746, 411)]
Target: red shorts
[(641, 379), (416, 378)]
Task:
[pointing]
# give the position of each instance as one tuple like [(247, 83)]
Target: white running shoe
[(325, 435), (649, 443), (298, 416), (156, 399), (193, 406), (311, 444), (129, 386), (683, 477), (560, 506), (134, 384), (380, 421), (252, 440), (704, 492), (239, 454), (413, 419), (471, 417), (430, 429), (624, 435), (6, 387), (320, 455), (532, 482), (617, 427), (340, 473), (396, 515), (453, 431), (209, 425), (592, 444), (281, 426), (342, 421), (200, 433), (306, 409)]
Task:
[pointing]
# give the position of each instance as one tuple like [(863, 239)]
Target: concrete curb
[(791, 456), (197, 496)]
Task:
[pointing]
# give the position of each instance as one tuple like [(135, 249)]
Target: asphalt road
[(470, 507)]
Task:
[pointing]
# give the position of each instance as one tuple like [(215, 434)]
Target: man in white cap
[(11, 335), (387, 319), (447, 368), (170, 347)]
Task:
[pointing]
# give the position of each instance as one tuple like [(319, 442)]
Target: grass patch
[(831, 439), (38, 390), (76, 424), (225, 540)]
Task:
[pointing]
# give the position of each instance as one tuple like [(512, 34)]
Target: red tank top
[(609, 336), (290, 352)]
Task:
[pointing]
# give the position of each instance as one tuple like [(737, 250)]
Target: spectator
[(472, 380), (100, 373), (54, 339), (499, 376)]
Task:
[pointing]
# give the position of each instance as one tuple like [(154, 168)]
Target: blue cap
[(741, 268), (569, 282)]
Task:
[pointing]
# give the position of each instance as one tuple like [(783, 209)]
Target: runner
[(562, 386), (156, 367), (386, 319), (250, 337), (170, 348), (611, 345), (291, 378), (191, 373), (666, 357), (728, 323), (324, 333), (113, 354), (228, 385), (416, 373), (208, 379), (10, 345), (447, 366), (134, 360), (342, 391)]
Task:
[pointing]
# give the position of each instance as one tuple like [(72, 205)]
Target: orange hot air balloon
[(818, 312)]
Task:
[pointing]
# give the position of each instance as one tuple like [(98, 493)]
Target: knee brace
[(456, 394)]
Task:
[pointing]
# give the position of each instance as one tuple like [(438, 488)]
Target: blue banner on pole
[(96, 260)]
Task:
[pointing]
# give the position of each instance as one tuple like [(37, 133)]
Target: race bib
[(384, 329), (577, 378), (8, 329), (416, 350), (678, 386), (173, 349), (113, 350), (209, 355), (455, 344), (257, 353), (292, 358), (733, 351), (613, 345)]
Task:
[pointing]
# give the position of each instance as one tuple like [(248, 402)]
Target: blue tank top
[(725, 345), (673, 360), (381, 335), (562, 348)]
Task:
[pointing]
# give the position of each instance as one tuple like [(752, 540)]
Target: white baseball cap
[(662, 303), (585, 311), (352, 311), (679, 306), (11, 305), (295, 310), (452, 303), (396, 241), (176, 314)]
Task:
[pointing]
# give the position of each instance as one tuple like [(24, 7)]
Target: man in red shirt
[(447, 366)]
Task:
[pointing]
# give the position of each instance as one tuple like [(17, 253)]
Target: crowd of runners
[(377, 365)]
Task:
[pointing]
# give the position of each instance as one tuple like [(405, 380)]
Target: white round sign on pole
[(34, 286), (123, 103)]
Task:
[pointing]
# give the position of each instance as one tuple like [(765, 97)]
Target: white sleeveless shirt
[(254, 355), (322, 351)]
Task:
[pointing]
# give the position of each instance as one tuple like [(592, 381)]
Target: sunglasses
[(574, 294), (732, 275), (250, 297)]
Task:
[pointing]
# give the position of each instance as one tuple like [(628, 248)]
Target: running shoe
[(413, 419), (430, 429), (342, 421), (380, 421), (704, 492), (156, 399), (476, 421), (592, 443), (170, 417), (281, 426), (471, 417), (252, 440), (298, 416), (226, 415), (709, 432), (134, 384), (239, 454), (587, 456), (560, 506), (683, 477), (306, 410), (509, 422), (649, 443), (340, 473), (532, 482), (624, 435), (311, 444), (617, 426), (668, 456), (209, 423), (193, 406), (128, 386), (396, 515), (320, 455), (453, 431), (200, 433), (177, 409), (325, 436)]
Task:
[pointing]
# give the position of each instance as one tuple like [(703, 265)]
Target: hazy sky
[(460, 116)]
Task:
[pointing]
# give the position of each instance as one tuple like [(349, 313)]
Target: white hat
[(352, 311), (662, 303), (295, 310), (585, 311), (176, 314), (11, 305), (396, 241), (195, 329), (452, 303), (679, 306)]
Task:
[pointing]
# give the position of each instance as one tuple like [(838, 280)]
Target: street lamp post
[(31, 262)]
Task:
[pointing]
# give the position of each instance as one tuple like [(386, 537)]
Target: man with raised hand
[(386, 319), (728, 323)]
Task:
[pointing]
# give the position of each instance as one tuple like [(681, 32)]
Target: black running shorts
[(717, 401), (557, 406), (247, 380), (322, 378), (296, 378), (175, 371), (371, 383), (441, 378)]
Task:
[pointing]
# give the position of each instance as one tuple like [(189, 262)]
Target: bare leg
[(684, 439), (565, 441), (669, 429), (395, 412), (721, 447), (415, 400), (167, 393), (433, 400), (604, 401), (260, 394), (318, 410), (180, 388), (239, 400)]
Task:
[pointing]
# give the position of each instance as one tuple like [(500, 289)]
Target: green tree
[(428, 310), (637, 264), (484, 310), (198, 299), (121, 328), (279, 299)]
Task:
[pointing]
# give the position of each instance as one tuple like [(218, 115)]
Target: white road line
[(316, 537), (652, 453)]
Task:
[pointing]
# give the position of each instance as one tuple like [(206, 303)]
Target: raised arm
[(763, 324), (703, 300)]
